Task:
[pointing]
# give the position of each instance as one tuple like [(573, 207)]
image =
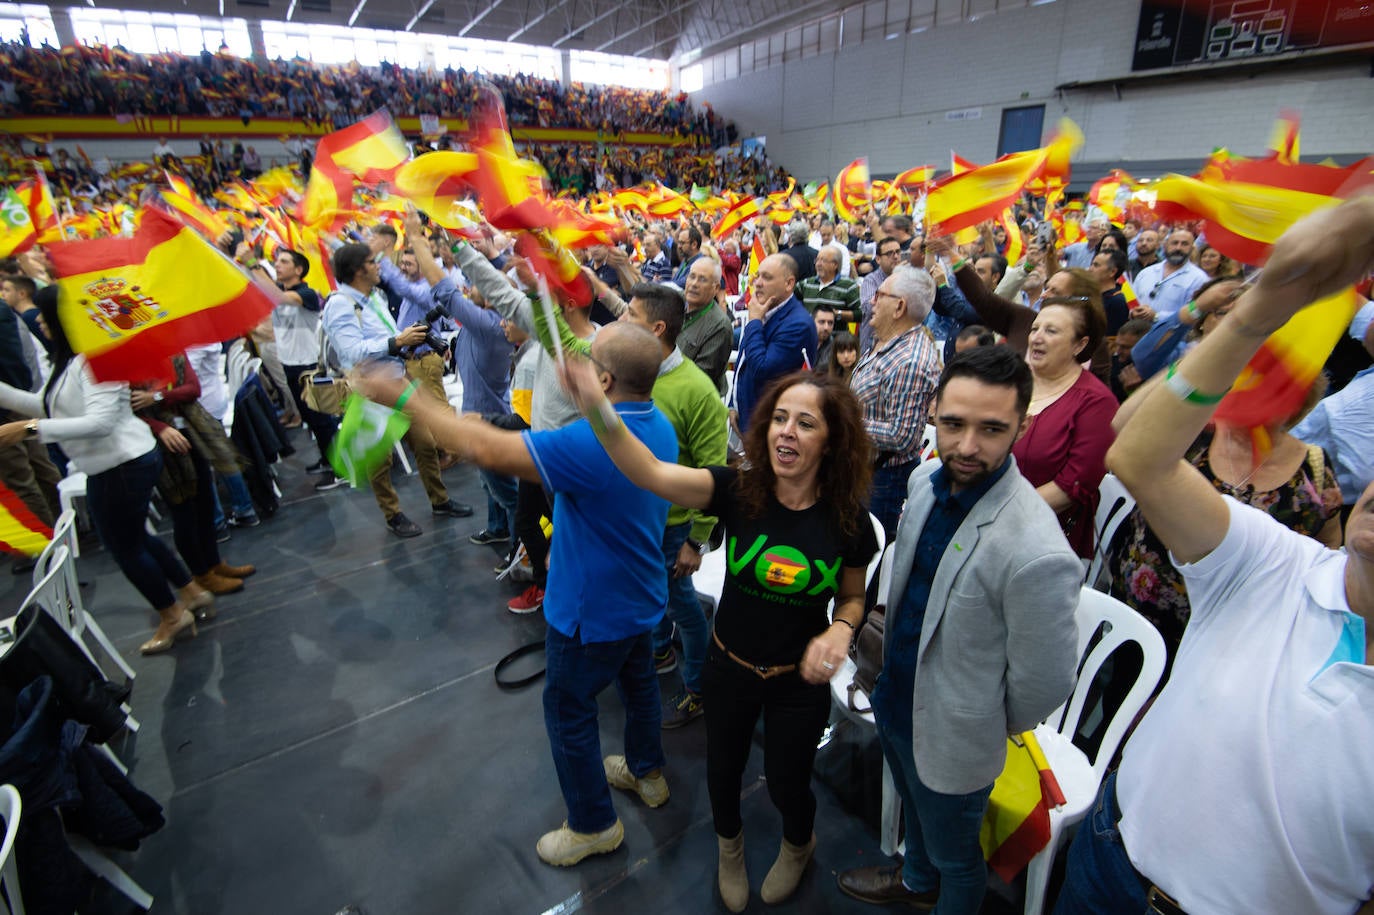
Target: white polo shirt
[(1247, 786)]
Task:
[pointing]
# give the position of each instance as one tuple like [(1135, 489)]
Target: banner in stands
[(1173, 33)]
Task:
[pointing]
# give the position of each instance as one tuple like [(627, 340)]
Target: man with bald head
[(607, 589), (707, 335), (828, 287), (779, 337), (1168, 285)]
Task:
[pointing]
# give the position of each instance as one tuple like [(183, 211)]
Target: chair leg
[(98, 862), (94, 629), (1038, 871), (110, 754), (892, 813), (130, 722)]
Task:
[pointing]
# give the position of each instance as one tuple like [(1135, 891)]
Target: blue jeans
[(684, 611), (942, 850), (889, 494), (574, 674), (1098, 875), (118, 500), (501, 494), (238, 496)]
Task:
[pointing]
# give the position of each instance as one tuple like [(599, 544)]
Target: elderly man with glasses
[(888, 256)]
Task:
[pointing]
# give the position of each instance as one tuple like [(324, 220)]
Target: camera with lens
[(433, 340)]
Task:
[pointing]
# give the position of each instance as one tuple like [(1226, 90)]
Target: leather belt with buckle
[(1158, 900), (762, 671)]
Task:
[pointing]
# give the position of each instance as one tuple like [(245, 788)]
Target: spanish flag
[(20, 531), (1016, 825), (372, 150), (968, 198), (435, 182), (130, 304), (186, 204), (915, 179), (737, 216), (1128, 293), (1272, 387), (553, 262), (853, 189)]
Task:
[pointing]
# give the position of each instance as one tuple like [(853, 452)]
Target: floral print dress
[(1144, 577)]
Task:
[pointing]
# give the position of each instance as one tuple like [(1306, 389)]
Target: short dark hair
[(901, 222), (383, 228), (693, 235), (891, 238), (300, 260), (996, 365), (977, 332), (349, 259), (823, 306), (1118, 258), (1137, 326), (662, 303), (999, 264), (23, 283)]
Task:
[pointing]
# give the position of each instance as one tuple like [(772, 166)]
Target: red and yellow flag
[(187, 206), (1128, 293), (372, 150), (971, 197), (1272, 387), (130, 304), (435, 182), (1017, 822), (915, 179), (20, 530), (853, 189), (737, 216)]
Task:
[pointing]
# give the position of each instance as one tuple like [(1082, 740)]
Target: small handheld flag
[(367, 433)]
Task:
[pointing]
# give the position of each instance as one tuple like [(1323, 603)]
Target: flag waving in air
[(17, 233), (130, 304)]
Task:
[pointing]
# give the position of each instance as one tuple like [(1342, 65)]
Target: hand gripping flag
[(130, 304), (367, 433)]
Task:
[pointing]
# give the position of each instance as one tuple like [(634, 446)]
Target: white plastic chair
[(1079, 776), (1113, 507), (928, 443), (11, 808), (68, 607)]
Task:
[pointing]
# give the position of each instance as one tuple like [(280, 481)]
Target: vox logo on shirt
[(782, 569)]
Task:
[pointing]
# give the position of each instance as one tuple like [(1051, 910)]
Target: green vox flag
[(366, 436)]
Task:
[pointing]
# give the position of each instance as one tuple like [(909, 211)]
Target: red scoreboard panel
[(1177, 32)]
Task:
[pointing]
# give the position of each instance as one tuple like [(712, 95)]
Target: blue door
[(1021, 128)]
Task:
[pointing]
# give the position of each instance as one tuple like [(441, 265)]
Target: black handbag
[(867, 654)]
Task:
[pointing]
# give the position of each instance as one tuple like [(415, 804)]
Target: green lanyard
[(371, 301)]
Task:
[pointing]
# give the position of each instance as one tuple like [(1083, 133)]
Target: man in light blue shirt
[(359, 327), (1166, 286)]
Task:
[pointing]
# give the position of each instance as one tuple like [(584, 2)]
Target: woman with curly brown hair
[(796, 536)]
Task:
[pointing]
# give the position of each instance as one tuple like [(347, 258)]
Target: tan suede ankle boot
[(731, 875), (786, 871)]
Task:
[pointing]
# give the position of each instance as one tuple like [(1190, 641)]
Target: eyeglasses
[(1065, 300), (891, 252), (601, 366), (880, 294)]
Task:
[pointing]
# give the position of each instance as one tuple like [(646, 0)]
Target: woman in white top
[(100, 434)]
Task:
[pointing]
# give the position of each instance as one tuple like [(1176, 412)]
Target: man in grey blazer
[(980, 637)]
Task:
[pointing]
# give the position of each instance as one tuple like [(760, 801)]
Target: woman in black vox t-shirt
[(796, 537)]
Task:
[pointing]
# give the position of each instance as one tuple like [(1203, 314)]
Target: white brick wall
[(887, 99)]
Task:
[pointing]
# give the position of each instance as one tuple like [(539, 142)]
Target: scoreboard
[(1174, 33)]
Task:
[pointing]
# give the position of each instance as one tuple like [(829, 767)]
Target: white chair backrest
[(51, 592), (876, 561), (63, 534), (11, 808), (1118, 624), (1114, 506), (928, 443), (709, 578)]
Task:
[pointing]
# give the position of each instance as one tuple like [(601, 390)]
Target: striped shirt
[(841, 294), (895, 381)]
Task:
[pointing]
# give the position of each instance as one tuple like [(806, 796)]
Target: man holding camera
[(360, 327)]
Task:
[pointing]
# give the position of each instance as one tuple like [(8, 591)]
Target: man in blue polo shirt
[(606, 591)]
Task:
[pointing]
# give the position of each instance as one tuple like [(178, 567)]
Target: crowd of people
[(87, 80), (770, 406)]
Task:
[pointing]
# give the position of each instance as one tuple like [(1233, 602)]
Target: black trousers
[(794, 717), (530, 503), (193, 522)]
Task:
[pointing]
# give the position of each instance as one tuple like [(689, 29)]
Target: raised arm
[(1318, 256), (1006, 317), (690, 487)]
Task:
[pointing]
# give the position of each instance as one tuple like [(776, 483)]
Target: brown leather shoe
[(217, 584), (883, 885), (225, 570)]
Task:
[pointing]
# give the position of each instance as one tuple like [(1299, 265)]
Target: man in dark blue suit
[(778, 339)]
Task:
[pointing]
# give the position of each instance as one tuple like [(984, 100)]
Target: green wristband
[(1186, 392), (1193, 310), (958, 265), (406, 395)]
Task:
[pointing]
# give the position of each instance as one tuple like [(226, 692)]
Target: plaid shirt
[(895, 381)]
